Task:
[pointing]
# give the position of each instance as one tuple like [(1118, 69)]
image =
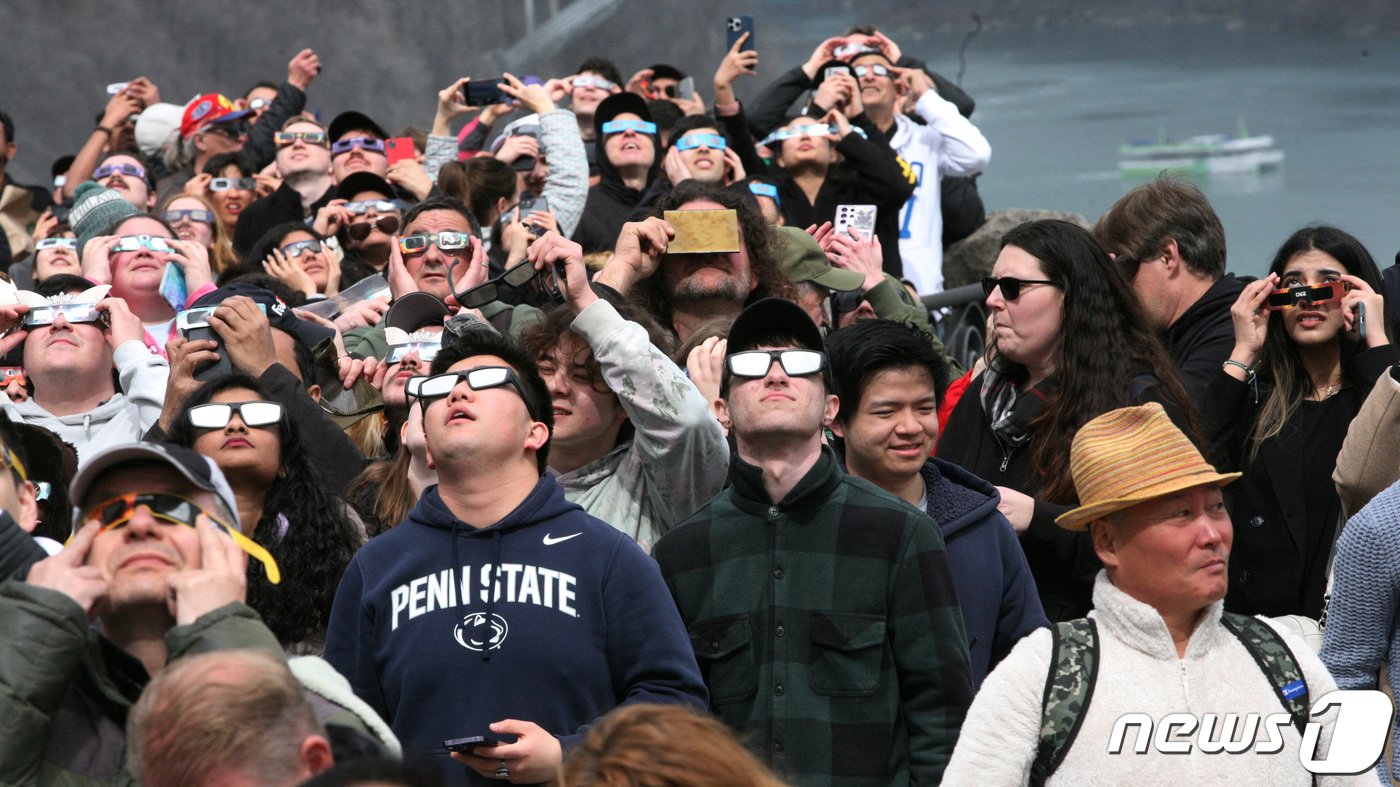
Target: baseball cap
[(773, 318), (278, 313), (155, 125), (802, 259), (618, 104), (206, 110), (528, 126), (349, 121), (415, 310), (361, 182), (194, 467)]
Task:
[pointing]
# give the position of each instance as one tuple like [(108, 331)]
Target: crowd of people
[(604, 439)]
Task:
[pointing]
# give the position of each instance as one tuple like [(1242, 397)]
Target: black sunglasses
[(361, 229), (482, 294), (1010, 285)]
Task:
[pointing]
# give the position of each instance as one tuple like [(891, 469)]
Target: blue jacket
[(580, 623), (999, 601)]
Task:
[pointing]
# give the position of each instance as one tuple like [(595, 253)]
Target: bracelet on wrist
[(1249, 371), (104, 130)]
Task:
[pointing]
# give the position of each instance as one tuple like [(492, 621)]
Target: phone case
[(861, 218), (736, 26)]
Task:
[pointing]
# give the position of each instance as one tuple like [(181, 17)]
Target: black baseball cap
[(361, 182), (351, 121), (415, 310), (619, 104), (770, 319)]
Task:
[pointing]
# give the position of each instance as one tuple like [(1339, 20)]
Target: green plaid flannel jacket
[(826, 626)]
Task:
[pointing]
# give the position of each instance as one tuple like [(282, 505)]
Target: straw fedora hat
[(1127, 456)]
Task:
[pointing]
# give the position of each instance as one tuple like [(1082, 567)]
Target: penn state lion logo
[(477, 633)]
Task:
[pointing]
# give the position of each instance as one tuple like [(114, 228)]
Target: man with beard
[(684, 291)]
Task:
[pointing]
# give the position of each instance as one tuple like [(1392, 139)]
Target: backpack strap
[(1276, 661), (1069, 685)]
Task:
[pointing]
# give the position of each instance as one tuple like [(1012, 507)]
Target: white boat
[(1208, 154)]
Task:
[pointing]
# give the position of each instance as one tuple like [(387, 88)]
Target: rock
[(971, 258)]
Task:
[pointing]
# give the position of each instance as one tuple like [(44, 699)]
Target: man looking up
[(304, 164), (890, 381), (160, 579), (542, 618), (634, 442), (865, 685), (1169, 243), (684, 291)]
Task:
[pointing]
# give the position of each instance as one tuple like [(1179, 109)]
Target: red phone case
[(398, 149)]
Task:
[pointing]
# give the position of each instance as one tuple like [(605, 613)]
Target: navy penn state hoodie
[(579, 622)]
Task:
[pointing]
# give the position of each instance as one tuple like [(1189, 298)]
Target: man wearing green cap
[(1158, 646)]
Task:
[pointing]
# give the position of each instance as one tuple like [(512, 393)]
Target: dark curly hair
[(318, 544), (763, 244), (1104, 347)]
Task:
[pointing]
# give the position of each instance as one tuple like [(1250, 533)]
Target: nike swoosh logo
[(551, 541)]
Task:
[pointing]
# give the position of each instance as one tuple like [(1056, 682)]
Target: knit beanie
[(97, 210)]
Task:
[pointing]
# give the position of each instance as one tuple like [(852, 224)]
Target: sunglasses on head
[(301, 247), (446, 241), (108, 170), (361, 229), (363, 206), (176, 510), (692, 141), (636, 126), (427, 350), (364, 143), (1306, 295), (57, 243), (285, 138), (73, 313), (232, 184), (197, 216), (757, 363), (137, 242), (216, 415), (433, 387), (873, 68), (1010, 285)]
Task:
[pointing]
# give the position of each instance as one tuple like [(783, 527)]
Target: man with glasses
[(540, 619), (634, 441), (821, 607), (304, 164), (212, 124), (628, 162), (357, 145), (154, 563), (73, 336)]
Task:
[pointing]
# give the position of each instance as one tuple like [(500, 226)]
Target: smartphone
[(831, 71), (399, 149), (860, 218), (734, 28), (116, 87), (1361, 322), (194, 324), (686, 88), (529, 206), (486, 91), (473, 741)]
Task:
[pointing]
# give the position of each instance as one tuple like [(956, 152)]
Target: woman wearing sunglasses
[(282, 503), (296, 254), (1310, 341), (1068, 343), (193, 217)]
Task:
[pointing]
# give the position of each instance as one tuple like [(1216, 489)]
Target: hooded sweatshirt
[(580, 623), (611, 202), (122, 419), (996, 591)]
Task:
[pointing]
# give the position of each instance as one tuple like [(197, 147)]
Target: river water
[(1056, 104)]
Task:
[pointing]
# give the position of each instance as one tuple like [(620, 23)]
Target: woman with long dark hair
[(1280, 407), (1069, 343), (282, 503)]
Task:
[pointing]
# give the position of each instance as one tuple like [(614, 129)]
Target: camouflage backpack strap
[(1276, 661), (1069, 685)]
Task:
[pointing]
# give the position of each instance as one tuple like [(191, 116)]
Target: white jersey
[(948, 145)]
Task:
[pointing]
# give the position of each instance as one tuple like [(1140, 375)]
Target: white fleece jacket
[(1140, 672)]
